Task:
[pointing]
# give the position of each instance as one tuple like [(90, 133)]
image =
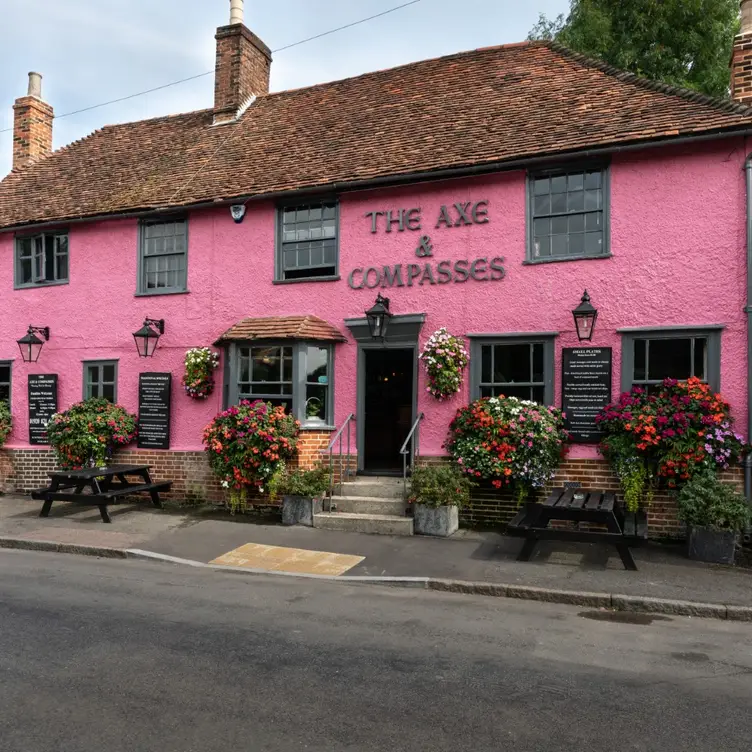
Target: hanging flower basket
[(445, 359), (198, 378)]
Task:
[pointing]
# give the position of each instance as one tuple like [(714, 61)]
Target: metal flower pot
[(713, 546)]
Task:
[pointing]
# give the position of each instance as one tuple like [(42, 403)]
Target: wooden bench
[(578, 506), (99, 487)]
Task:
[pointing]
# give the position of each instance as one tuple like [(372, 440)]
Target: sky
[(92, 51)]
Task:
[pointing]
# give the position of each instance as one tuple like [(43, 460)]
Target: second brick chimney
[(242, 67), (741, 58), (32, 125)]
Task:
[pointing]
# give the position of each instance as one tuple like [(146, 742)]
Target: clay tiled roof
[(469, 109), (283, 327)]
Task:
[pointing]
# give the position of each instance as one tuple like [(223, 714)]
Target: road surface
[(99, 655)]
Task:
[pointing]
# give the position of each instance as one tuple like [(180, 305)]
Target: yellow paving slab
[(280, 559)]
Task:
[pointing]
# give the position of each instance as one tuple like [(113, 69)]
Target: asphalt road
[(114, 655)]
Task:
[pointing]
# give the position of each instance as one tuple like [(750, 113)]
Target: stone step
[(383, 488), (368, 505), (379, 524)]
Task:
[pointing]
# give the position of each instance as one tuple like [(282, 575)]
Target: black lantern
[(148, 336), (378, 318), (585, 317), (31, 345)]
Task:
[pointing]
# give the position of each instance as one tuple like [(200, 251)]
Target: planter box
[(299, 510), (439, 521), (711, 545)]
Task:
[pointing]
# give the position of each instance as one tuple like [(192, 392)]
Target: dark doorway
[(388, 407)]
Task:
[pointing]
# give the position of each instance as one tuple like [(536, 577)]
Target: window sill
[(331, 278), (41, 285), (154, 293), (314, 427), (557, 260)]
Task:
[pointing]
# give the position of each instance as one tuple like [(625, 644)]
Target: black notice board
[(154, 392), (42, 405), (586, 390)]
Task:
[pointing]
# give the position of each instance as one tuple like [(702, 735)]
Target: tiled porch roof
[(283, 327)]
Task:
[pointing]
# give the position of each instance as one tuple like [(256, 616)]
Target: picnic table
[(99, 486), (574, 505)]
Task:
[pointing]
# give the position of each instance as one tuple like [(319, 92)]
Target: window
[(296, 376), (568, 215), (100, 379), (163, 257), (307, 241), (5, 381), (42, 259), (648, 357), (514, 367)]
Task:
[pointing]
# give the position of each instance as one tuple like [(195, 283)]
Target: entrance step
[(380, 524), (382, 488), (369, 505)]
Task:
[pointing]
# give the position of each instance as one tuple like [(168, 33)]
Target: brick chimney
[(32, 125), (242, 68), (741, 58)]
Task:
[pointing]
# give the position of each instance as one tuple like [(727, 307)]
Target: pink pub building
[(483, 192)]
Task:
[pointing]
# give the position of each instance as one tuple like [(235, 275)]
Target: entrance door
[(388, 407)]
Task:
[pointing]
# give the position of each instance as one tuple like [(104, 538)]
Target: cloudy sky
[(91, 51)]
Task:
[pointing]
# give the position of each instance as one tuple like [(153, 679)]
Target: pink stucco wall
[(677, 239)]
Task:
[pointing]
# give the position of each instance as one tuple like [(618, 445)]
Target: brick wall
[(741, 69), (32, 131)]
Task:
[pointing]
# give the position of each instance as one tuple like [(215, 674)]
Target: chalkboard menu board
[(42, 405), (154, 390), (586, 390)]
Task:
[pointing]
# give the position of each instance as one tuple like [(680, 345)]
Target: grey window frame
[(279, 244), (713, 352), (566, 169), (87, 363), (141, 288), (9, 383), (547, 339), (299, 377), (17, 283)]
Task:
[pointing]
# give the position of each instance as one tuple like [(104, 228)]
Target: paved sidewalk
[(468, 556)]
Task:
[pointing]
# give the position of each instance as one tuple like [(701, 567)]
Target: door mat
[(279, 559)]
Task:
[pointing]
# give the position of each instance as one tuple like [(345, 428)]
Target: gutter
[(452, 173), (748, 310)]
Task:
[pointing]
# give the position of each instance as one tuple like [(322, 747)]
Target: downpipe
[(748, 310)]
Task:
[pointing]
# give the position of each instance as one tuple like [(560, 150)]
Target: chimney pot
[(35, 85), (236, 12)]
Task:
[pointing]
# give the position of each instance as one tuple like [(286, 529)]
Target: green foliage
[(89, 431), (707, 502), (682, 42), (440, 485), (311, 483), (6, 423)]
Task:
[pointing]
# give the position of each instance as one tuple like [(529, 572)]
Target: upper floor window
[(100, 379), (42, 259), (162, 257), (650, 356), (568, 215), (5, 381), (307, 241)]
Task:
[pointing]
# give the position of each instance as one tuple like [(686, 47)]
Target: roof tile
[(283, 327)]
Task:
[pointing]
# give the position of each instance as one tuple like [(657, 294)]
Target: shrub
[(707, 502), (198, 379), (311, 483), (89, 431), (440, 485), (444, 358), (509, 441), (669, 435), (6, 423), (248, 445)]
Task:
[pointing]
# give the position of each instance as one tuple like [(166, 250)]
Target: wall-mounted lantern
[(378, 318), (148, 336), (585, 317), (31, 345)]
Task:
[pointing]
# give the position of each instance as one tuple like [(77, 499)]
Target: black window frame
[(298, 397), (100, 381), (143, 228), (9, 383), (712, 334), (279, 270), (546, 339), (19, 241), (560, 171)]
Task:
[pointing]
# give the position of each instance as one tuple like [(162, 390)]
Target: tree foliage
[(682, 42)]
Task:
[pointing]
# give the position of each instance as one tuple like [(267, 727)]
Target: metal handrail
[(413, 439), (338, 436)]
